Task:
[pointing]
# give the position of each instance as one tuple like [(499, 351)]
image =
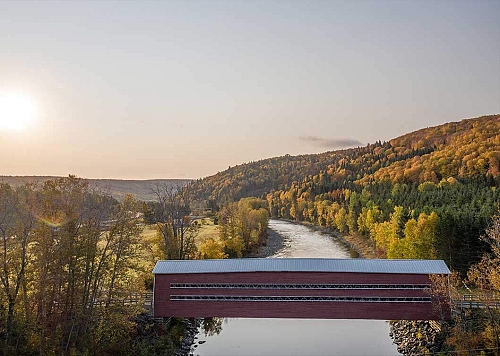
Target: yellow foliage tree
[(212, 249), (234, 246), (418, 240)]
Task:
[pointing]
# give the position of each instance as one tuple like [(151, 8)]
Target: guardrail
[(471, 301), (145, 299)]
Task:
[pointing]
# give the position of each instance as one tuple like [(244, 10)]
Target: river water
[(299, 336)]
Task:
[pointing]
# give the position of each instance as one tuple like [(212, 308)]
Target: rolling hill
[(118, 188), (467, 148), (426, 194)]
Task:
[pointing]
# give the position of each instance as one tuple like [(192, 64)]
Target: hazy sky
[(183, 89)]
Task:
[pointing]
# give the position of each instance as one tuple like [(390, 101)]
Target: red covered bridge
[(311, 288)]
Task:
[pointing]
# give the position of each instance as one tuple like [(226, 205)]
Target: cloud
[(331, 142)]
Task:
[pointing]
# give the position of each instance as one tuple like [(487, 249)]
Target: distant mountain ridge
[(118, 188)]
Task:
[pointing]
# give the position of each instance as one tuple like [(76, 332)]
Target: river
[(299, 336)]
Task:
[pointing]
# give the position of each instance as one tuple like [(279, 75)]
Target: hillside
[(141, 189), (426, 194), (467, 148), (458, 149)]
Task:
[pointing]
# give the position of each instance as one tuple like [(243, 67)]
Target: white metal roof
[(301, 265)]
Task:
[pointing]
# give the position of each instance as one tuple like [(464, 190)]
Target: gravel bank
[(274, 244)]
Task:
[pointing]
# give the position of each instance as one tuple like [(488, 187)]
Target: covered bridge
[(312, 288)]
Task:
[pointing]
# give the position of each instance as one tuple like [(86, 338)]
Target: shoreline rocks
[(419, 337), (274, 244)]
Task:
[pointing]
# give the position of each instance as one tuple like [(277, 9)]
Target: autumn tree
[(212, 249), (485, 275), (174, 224), (68, 261), (243, 225), (17, 221)]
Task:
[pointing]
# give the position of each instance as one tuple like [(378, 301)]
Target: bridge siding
[(307, 310), (316, 310), (293, 278)]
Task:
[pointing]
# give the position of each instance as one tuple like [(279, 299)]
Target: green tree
[(341, 220), (234, 247), (245, 221), (354, 211)]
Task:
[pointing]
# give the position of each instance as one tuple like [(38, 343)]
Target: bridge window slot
[(297, 286), (300, 299)]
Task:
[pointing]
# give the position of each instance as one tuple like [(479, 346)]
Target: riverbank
[(363, 246), (273, 245), (188, 343)]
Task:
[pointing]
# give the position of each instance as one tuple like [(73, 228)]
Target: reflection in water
[(212, 326), (297, 336)]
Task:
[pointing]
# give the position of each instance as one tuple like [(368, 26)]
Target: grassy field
[(208, 230), (149, 254), (149, 232), (147, 259)]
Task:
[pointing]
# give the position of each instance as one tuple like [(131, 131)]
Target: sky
[(184, 89)]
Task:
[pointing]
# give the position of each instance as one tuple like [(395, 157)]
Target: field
[(148, 236), (208, 230)]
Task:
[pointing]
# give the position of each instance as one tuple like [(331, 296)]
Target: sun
[(17, 111)]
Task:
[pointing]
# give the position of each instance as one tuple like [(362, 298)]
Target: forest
[(427, 194), (73, 267)]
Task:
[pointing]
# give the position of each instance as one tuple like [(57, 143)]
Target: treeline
[(343, 167), (70, 258), (413, 220), (242, 226), (460, 149)]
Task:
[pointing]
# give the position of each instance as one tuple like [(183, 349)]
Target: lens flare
[(17, 111), (50, 222)]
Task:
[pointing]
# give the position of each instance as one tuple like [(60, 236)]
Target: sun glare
[(17, 111)]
